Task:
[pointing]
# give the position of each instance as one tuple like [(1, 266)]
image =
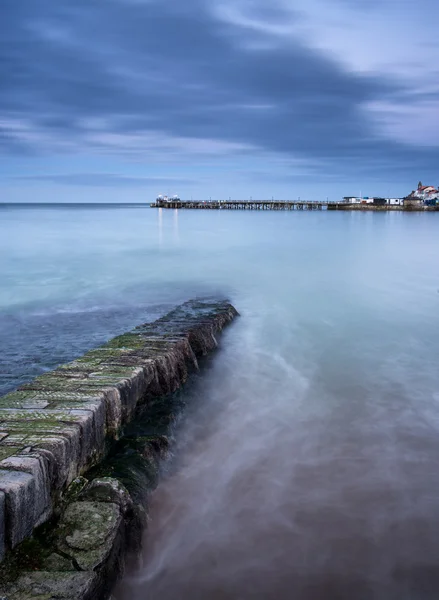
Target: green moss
[(92, 359), (51, 383), (16, 397), (27, 427), (134, 460), (100, 384), (74, 489), (111, 373), (127, 340), (38, 416), (7, 451), (138, 473), (30, 555)]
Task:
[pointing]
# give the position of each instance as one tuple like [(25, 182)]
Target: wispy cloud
[(379, 39), (100, 180)]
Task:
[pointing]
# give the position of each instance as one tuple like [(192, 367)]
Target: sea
[(307, 466)]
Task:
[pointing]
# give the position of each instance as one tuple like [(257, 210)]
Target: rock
[(90, 531), (46, 585), (74, 490), (107, 489), (56, 562)]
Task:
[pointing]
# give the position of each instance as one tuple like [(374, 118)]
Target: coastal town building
[(162, 199), (377, 201), (424, 195), (357, 200), (427, 194)]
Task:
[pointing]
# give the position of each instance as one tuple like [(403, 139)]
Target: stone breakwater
[(63, 535)]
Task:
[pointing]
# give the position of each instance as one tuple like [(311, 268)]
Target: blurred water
[(307, 466)]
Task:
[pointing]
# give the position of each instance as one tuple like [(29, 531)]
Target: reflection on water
[(307, 464), (160, 220), (176, 231)]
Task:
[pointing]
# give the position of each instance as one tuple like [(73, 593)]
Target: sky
[(122, 100)]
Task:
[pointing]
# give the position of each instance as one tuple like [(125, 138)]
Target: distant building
[(427, 194), (424, 194), (378, 201), (162, 199), (357, 200)]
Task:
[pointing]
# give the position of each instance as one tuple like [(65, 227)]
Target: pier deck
[(246, 204)]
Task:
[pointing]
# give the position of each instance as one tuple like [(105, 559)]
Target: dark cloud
[(159, 66)]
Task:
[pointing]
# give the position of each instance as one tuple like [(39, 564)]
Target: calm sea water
[(309, 465)]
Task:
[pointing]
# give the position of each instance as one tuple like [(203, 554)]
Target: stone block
[(20, 494), (62, 442), (62, 454), (37, 467), (91, 423), (2, 525), (7, 450), (113, 411), (130, 391), (24, 444)]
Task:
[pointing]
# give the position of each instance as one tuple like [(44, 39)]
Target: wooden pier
[(285, 205), (246, 204)]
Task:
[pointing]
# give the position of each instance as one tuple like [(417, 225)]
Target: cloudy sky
[(119, 100)]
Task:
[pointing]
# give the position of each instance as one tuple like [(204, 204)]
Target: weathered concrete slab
[(2, 525), (36, 466), (60, 443), (62, 423), (21, 497)]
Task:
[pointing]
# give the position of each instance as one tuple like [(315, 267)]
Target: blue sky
[(120, 100)]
